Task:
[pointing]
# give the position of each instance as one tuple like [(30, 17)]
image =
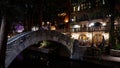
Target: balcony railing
[(89, 29)]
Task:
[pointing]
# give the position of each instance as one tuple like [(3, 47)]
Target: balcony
[(92, 29)]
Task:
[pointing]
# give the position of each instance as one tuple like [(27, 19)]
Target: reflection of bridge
[(19, 42)]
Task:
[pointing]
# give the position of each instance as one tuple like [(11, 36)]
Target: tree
[(9, 11)]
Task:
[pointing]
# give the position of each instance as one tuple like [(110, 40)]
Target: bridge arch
[(19, 42)]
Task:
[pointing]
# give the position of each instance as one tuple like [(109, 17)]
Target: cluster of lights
[(91, 24), (75, 35), (104, 24), (34, 28), (62, 14), (76, 26)]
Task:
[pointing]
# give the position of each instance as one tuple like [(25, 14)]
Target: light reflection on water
[(41, 60)]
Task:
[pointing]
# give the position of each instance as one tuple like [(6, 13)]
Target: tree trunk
[(5, 28), (112, 34), (112, 18)]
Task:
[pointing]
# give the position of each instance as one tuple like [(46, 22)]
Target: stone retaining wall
[(114, 52)]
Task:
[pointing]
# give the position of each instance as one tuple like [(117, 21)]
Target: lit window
[(103, 2), (74, 18), (35, 28), (78, 8), (74, 8)]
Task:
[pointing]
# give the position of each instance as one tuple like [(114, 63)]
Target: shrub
[(117, 47)]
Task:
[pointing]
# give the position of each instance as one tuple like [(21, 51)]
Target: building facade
[(90, 20)]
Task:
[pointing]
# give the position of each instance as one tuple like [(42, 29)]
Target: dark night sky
[(52, 8), (49, 8)]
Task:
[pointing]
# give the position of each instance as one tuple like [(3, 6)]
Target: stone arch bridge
[(18, 43)]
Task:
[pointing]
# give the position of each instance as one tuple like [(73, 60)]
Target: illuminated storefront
[(87, 36)]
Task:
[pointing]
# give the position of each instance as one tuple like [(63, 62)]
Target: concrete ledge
[(114, 52)]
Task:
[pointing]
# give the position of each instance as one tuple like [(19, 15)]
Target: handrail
[(17, 36)]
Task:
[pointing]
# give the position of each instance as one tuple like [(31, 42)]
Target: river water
[(32, 59)]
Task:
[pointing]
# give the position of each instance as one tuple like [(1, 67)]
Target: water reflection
[(32, 59)]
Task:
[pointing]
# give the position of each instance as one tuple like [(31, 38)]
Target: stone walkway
[(107, 60), (111, 58)]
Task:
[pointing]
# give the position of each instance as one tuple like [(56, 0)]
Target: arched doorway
[(97, 38), (83, 37)]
